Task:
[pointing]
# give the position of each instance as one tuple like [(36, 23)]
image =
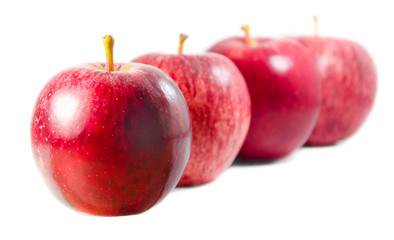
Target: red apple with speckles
[(219, 105), (111, 142), (349, 82), (284, 89)]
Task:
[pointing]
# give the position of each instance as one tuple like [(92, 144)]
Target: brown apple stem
[(108, 41), (249, 40), (182, 38), (316, 20)]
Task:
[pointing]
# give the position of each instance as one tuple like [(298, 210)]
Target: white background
[(340, 192)]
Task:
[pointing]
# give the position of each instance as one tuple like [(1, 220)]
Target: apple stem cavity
[(108, 41), (182, 38), (316, 20), (249, 40)]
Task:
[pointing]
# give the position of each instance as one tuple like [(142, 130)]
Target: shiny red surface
[(285, 93), (219, 105), (111, 143), (349, 83)]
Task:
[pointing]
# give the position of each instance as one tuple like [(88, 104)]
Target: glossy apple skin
[(285, 93), (349, 82), (219, 104), (111, 143)]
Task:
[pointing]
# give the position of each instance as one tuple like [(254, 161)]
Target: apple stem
[(249, 40), (108, 41), (182, 38), (316, 20)]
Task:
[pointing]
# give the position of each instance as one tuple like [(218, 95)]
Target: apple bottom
[(272, 137), (112, 187)]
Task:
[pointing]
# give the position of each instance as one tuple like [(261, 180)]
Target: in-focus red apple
[(219, 105), (284, 89), (111, 141), (349, 82)]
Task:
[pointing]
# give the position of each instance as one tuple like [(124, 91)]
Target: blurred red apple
[(284, 89), (349, 82), (219, 105), (111, 142)]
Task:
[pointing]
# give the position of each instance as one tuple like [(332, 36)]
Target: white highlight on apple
[(64, 108), (324, 61), (168, 90), (280, 64), (223, 73), (65, 115)]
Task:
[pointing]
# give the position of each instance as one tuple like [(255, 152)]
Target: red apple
[(349, 82), (111, 142), (284, 89), (219, 105)]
